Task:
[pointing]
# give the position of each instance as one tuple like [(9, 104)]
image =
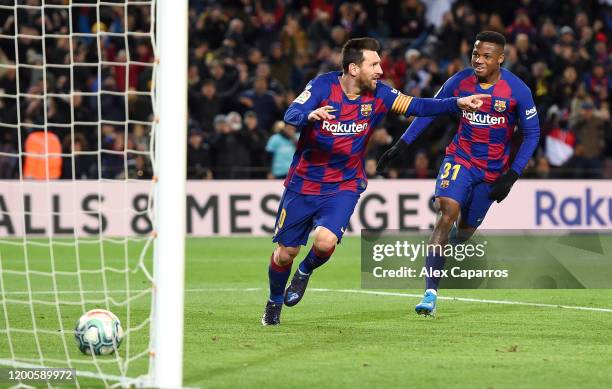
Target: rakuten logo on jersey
[(344, 128), (483, 119)]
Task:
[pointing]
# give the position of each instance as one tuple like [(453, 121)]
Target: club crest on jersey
[(444, 184), (500, 105), (366, 109)]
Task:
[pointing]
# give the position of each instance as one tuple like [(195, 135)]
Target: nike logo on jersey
[(483, 119)]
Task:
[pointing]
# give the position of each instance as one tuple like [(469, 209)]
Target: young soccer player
[(475, 171), (336, 115)]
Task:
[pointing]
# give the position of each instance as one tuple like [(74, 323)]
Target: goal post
[(171, 146), (93, 141)]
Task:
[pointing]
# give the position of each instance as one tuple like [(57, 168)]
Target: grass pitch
[(337, 336)]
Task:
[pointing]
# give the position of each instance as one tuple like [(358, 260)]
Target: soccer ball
[(98, 331)]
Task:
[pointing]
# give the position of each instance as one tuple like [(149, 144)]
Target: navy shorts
[(467, 187), (299, 213)]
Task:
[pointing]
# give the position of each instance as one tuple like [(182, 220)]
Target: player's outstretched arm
[(472, 103), (433, 107), (417, 126), (429, 107)]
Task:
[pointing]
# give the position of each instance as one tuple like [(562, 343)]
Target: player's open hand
[(321, 113), (472, 103)]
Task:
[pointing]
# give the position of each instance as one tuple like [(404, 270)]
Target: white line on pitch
[(353, 291), (466, 299)]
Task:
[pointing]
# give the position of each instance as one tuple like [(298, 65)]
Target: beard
[(368, 84)]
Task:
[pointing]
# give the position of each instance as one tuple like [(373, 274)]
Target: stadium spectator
[(226, 81), (79, 166), (421, 166), (263, 70), (590, 131), (261, 100), (282, 146), (293, 38), (542, 168), (565, 87), (257, 139), (204, 104), (231, 151), (112, 159), (280, 66), (526, 53), (370, 168), (198, 156), (319, 31), (408, 20), (451, 33), (43, 156), (562, 52), (521, 25), (8, 156)]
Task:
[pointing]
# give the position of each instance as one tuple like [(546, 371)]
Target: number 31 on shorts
[(447, 169)]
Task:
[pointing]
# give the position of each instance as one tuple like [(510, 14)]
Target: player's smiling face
[(370, 70), (486, 59)]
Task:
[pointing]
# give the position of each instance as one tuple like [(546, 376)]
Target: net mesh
[(76, 155)]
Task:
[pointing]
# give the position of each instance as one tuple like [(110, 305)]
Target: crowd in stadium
[(248, 60)]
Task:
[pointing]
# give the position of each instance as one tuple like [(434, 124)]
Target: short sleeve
[(393, 100)]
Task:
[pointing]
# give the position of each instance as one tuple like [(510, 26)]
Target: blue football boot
[(297, 288), (427, 306)]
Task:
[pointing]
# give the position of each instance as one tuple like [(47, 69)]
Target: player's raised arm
[(399, 103)]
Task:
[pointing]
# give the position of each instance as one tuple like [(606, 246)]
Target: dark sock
[(278, 276), (314, 259), (433, 262)]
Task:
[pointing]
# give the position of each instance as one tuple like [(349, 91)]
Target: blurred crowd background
[(248, 60)]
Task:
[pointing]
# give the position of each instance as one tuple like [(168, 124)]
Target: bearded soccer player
[(336, 115), (475, 171)]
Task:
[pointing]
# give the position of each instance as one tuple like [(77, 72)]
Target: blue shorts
[(299, 213), (467, 187)]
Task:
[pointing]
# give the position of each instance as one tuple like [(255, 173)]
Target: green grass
[(338, 339)]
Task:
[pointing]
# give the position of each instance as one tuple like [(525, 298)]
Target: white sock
[(435, 292)]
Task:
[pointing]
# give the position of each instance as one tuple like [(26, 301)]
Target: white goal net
[(78, 126)]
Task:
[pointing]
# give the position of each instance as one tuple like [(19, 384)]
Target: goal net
[(79, 134)]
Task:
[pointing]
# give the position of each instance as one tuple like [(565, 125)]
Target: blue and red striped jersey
[(483, 138), (330, 153)]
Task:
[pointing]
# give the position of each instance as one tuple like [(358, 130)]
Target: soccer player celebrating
[(475, 170), (336, 115)]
